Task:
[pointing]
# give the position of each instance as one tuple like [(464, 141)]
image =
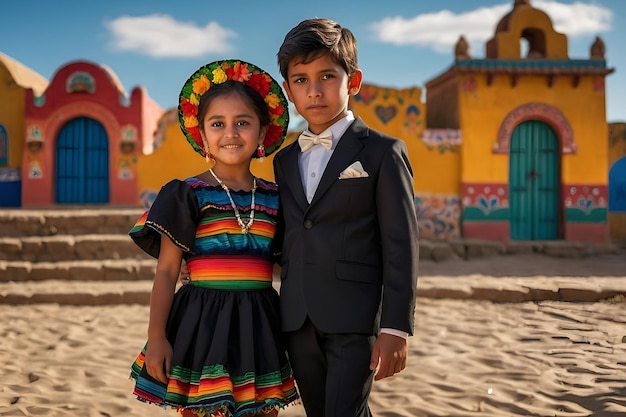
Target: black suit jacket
[(349, 258)]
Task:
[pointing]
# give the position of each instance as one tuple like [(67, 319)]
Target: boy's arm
[(399, 234)]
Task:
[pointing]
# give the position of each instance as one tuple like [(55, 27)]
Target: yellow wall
[(506, 43), (391, 111), (435, 166), (484, 109), (12, 116), (173, 157), (434, 154), (15, 79)]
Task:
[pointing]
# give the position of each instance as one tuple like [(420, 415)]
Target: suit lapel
[(293, 181), (347, 148)]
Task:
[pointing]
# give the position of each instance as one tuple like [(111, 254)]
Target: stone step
[(69, 247), (75, 292), (497, 289), (50, 222), (79, 270), (120, 246)]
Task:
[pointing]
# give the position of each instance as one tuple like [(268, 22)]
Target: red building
[(83, 136)]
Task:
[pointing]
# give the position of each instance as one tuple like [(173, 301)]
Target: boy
[(350, 248)]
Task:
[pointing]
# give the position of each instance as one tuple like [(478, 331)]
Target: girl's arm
[(159, 352)]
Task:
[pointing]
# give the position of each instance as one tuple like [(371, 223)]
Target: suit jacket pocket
[(354, 181), (359, 272)]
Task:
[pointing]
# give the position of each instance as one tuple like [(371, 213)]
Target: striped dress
[(224, 326)]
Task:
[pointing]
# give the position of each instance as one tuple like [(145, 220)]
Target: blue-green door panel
[(534, 182), (82, 163), (4, 147)]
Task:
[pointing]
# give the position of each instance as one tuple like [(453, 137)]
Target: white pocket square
[(354, 171)]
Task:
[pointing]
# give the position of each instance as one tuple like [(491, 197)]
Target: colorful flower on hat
[(219, 72), (188, 108), (261, 83), (237, 71), (201, 85), (219, 76)]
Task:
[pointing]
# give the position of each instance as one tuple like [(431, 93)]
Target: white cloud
[(577, 19), (161, 36), (441, 30)]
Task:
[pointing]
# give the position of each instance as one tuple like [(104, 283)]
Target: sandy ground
[(467, 358)]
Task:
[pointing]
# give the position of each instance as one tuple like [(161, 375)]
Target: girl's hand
[(183, 276), (158, 361)]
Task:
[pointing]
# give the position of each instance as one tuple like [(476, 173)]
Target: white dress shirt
[(313, 161)]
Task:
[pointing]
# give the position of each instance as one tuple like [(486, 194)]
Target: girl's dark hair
[(244, 91), (313, 38)]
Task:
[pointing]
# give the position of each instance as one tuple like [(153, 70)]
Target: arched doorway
[(534, 182), (82, 163), (617, 186)]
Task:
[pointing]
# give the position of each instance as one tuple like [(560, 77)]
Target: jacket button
[(308, 224)]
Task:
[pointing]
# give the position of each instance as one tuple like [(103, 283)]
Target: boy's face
[(320, 90)]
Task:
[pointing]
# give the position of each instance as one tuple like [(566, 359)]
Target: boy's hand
[(391, 352), (158, 359)]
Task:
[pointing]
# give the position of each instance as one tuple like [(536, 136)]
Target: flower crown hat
[(219, 72)]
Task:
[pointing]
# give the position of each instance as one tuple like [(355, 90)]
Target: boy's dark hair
[(244, 91), (313, 38)]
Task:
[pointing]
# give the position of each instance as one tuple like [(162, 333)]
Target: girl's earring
[(207, 153), (260, 153)]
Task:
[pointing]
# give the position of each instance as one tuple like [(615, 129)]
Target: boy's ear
[(354, 85), (287, 90)]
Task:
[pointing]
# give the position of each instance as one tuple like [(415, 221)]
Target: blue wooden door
[(4, 147), (82, 163), (534, 182)]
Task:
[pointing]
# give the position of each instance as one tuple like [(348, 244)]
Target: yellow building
[(533, 163), (15, 78), (434, 154), (512, 146)]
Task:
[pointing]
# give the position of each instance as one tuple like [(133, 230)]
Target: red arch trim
[(536, 111)]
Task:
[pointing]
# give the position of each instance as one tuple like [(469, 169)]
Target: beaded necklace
[(245, 227)]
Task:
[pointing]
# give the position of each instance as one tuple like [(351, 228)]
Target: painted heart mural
[(385, 114)]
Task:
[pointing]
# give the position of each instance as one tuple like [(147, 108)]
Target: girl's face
[(232, 130)]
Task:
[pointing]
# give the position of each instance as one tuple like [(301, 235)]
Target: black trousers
[(332, 371)]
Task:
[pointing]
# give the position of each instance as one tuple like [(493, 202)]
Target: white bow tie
[(307, 140)]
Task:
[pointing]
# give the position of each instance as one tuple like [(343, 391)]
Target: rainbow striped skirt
[(229, 355)]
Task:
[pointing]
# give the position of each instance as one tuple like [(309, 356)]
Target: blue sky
[(158, 44)]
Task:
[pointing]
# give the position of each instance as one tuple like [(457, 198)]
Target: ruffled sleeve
[(174, 213)]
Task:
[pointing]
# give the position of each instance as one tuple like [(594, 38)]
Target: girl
[(214, 347)]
